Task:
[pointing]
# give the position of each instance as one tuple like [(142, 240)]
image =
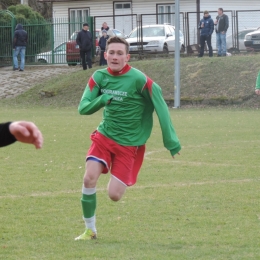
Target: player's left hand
[(257, 91), (26, 132), (174, 155)]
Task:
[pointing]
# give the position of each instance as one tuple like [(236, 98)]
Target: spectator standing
[(102, 45), (222, 24), (104, 27), (19, 46), (85, 42), (206, 27)]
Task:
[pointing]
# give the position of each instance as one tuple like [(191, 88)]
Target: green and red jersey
[(128, 118)]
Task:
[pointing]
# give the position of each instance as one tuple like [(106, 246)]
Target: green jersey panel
[(258, 81)]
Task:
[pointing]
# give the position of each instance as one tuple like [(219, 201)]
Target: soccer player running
[(129, 98)]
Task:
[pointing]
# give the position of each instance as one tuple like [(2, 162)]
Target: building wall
[(230, 5), (105, 8)]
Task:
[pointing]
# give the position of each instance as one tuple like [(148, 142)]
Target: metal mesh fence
[(48, 38), (193, 32), (246, 22), (118, 24)]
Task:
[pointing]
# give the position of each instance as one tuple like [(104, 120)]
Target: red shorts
[(124, 162)]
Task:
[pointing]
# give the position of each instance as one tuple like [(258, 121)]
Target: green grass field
[(205, 204)]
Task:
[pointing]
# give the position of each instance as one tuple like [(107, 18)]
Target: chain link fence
[(48, 39)]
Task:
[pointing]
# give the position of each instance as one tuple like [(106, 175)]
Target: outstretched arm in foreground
[(26, 132)]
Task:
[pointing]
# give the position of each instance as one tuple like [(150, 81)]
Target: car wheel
[(165, 49), (42, 61)]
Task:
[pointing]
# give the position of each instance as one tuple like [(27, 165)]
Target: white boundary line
[(136, 187), (196, 163)]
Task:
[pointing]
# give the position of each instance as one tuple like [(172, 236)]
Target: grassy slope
[(216, 81), (202, 205)]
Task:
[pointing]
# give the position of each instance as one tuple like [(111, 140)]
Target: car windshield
[(118, 33), (149, 32), (61, 47)]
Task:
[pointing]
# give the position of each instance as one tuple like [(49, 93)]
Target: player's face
[(116, 56)]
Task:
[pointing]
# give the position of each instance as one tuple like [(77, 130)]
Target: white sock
[(91, 223)]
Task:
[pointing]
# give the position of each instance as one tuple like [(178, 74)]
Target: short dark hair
[(221, 9), (116, 39)]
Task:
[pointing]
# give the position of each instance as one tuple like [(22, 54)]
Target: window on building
[(77, 18), (165, 13)]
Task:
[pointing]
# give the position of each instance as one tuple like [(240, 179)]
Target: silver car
[(232, 41), (156, 38), (59, 54)]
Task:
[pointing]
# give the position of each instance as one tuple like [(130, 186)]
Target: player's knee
[(115, 196), (89, 180)]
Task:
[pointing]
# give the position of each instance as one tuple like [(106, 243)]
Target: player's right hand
[(257, 91)]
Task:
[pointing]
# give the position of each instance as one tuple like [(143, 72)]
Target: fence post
[(177, 55), (13, 24), (139, 35), (236, 23), (52, 42), (91, 27)]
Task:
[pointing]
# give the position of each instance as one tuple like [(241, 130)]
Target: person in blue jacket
[(206, 27), (102, 45)]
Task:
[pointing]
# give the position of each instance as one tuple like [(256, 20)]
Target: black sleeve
[(6, 137), (78, 41), (226, 23), (91, 39), (14, 40)]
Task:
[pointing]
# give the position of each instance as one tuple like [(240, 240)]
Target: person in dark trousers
[(19, 46), (104, 27), (102, 45), (25, 132), (85, 42), (206, 27), (222, 24)]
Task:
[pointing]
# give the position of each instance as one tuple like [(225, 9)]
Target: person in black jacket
[(25, 132), (222, 25), (102, 45), (85, 42), (206, 27), (19, 46)]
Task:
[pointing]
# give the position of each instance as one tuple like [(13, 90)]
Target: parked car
[(252, 40), (232, 40), (72, 53), (156, 38), (59, 54)]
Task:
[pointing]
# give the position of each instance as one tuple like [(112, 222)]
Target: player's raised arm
[(153, 92), (92, 100)]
